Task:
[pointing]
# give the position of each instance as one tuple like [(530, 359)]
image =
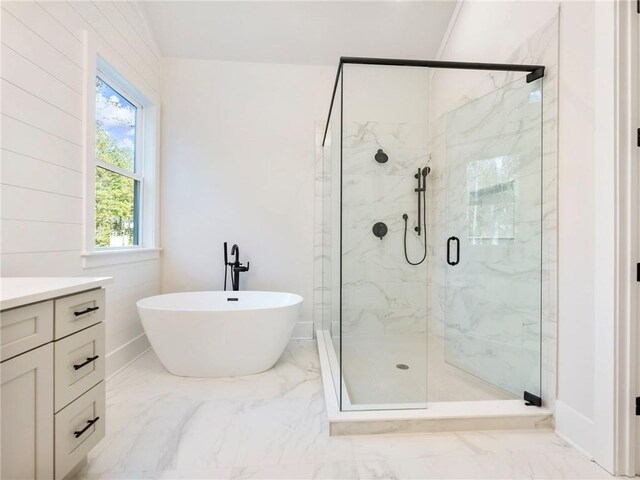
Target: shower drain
[(402, 366)]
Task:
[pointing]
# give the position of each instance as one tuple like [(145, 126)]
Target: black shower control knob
[(381, 157), (380, 230)]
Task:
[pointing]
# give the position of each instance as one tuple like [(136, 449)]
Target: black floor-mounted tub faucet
[(236, 267)]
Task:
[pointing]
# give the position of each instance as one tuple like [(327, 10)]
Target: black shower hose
[(405, 218)]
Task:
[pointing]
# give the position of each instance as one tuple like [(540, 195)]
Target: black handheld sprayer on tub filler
[(236, 267)]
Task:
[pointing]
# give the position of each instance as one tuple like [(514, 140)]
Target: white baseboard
[(126, 354), (303, 330), (574, 428)]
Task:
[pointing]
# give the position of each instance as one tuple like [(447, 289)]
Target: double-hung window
[(119, 170), (121, 166)]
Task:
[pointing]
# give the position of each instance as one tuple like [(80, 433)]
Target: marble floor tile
[(408, 446), (392, 469), (213, 474), (289, 431), (296, 375), (328, 471), (514, 441), (570, 465), (274, 425)]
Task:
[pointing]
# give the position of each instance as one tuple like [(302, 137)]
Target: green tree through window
[(117, 182)]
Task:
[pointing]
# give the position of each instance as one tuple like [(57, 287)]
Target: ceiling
[(298, 32)]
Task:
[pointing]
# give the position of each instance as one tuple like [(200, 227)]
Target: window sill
[(105, 258)]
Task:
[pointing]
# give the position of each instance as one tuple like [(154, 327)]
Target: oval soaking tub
[(219, 334)]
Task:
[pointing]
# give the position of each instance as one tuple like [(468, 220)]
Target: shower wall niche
[(465, 324)]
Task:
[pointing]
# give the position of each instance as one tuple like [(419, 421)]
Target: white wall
[(42, 141), (238, 151), (474, 38), (576, 233)]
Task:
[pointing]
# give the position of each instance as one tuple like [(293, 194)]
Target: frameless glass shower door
[(494, 244)]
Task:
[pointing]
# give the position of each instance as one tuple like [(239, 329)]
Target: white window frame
[(117, 75)]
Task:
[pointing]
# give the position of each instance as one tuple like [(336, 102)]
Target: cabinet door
[(27, 415)]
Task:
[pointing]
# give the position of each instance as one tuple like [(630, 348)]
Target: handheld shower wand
[(421, 176), (226, 266), (422, 187)]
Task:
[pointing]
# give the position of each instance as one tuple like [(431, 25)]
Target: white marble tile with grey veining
[(162, 426)]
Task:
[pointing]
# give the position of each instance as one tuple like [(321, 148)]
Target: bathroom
[(277, 147)]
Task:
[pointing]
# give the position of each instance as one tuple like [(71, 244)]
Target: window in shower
[(491, 186)]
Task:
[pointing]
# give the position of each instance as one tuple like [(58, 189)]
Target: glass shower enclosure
[(432, 233)]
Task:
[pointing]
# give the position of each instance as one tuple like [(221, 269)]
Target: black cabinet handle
[(87, 427), (88, 310), (449, 241), (89, 360)]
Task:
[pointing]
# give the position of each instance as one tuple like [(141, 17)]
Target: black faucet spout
[(236, 267)]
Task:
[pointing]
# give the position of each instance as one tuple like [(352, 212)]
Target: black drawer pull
[(88, 310), (87, 427), (457, 260), (89, 360)]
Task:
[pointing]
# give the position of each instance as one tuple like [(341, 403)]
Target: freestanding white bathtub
[(219, 334)]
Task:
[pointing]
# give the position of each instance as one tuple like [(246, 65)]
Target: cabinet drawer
[(79, 427), (79, 311), (79, 364), (25, 328)]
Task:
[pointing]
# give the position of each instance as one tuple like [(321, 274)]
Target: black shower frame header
[(535, 71)]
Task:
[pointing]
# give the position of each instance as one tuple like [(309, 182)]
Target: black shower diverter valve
[(380, 230)]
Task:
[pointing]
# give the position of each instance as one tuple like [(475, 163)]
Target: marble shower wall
[(481, 338), (383, 108)]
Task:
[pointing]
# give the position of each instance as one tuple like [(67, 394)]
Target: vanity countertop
[(18, 291)]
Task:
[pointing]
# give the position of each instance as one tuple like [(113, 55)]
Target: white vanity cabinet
[(52, 395), (27, 415)]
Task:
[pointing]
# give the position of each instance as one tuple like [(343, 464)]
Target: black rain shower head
[(426, 171)]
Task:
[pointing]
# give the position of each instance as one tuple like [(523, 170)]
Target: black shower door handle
[(449, 241)]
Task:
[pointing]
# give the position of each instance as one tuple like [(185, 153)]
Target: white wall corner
[(449, 30), (151, 37)]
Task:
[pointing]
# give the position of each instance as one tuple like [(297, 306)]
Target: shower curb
[(437, 417)]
